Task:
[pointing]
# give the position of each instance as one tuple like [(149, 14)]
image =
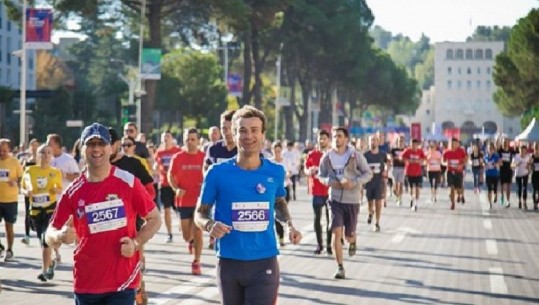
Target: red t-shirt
[(103, 213), (187, 170), (414, 159), (316, 188), (455, 159), (162, 157)]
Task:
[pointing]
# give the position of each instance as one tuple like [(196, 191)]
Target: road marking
[(492, 246), (487, 223), (497, 282), (402, 232)]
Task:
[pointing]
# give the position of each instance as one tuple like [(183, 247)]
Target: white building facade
[(464, 89), (10, 64)]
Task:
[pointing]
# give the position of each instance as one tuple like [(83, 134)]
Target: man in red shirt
[(162, 159), (103, 203), (455, 158), (185, 177), (414, 157), (319, 190)]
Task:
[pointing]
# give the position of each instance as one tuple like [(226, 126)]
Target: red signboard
[(451, 133), (415, 131), (38, 28)]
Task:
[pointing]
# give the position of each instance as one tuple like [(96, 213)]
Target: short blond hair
[(248, 111)]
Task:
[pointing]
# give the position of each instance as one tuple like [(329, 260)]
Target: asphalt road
[(471, 255)]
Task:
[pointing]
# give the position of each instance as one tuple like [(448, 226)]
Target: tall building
[(464, 89), (10, 70)]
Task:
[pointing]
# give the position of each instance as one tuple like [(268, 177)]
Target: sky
[(446, 20)]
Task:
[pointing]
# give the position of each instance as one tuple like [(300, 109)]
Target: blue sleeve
[(208, 193), (281, 176)]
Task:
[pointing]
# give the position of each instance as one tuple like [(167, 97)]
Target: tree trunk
[(289, 110), (258, 65), (326, 108)]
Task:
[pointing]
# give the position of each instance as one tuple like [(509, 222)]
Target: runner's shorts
[(344, 215), (454, 179), (374, 190), (398, 174)]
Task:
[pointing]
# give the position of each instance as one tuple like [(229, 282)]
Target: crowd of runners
[(112, 191)]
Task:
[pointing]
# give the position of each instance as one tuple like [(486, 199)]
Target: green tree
[(515, 72), (201, 89), (490, 33)]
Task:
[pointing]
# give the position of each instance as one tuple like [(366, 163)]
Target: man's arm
[(204, 221), (172, 181), (282, 215)]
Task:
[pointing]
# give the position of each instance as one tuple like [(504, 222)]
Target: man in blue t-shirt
[(247, 194)]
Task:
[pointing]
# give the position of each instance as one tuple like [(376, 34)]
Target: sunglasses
[(127, 145), (129, 130)]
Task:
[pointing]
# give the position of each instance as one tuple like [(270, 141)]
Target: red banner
[(38, 28), (452, 133), (415, 131)]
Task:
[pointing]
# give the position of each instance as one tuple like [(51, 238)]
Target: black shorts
[(248, 282), (492, 183), (186, 213), (434, 179), (167, 197), (374, 190), (8, 211), (41, 222), (344, 215), (506, 176), (454, 179), (415, 180)]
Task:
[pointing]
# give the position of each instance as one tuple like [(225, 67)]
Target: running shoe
[(414, 208), (169, 239), (318, 250), (26, 240), (452, 206), (352, 248), (195, 268), (462, 200), (495, 198), (376, 228), (508, 205), (8, 256), (42, 277), (2, 249), (369, 219), (329, 251), (340, 273), (281, 242)]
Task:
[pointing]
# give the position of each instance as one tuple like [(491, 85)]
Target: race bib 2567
[(105, 216)]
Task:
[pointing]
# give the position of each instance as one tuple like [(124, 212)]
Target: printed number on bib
[(4, 175), (375, 168), (40, 200), (250, 216), (106, 216)]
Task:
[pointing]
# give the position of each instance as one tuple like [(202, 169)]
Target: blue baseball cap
[(95, 130)]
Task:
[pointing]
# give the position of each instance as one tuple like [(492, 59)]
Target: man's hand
[(128, 248), (219, 229), (294, 235), (13, 183), (179, 192)]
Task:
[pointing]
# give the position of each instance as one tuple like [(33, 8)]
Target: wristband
[(209, 225)]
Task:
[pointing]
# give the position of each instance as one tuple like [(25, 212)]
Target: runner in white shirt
[(293, 157), (521, 166)]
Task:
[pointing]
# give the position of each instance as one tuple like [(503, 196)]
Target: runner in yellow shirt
[(41, 184), (10, 175)]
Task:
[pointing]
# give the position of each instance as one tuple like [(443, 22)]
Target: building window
[(449, 85), (8, 50), (488, 84), (469, 70), (459, 70), (478, 84), (488, 54), (30, 62), (459, 84), (469, 85), (489, 70), (478, 70), (427, 112), (469, 54), (8, 26), (449, 54), (460, 54), (479, 54), (449, 70)]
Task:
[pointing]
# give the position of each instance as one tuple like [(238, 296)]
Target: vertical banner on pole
[(415, 131), (235, 84), (151, 64), (38, 28)]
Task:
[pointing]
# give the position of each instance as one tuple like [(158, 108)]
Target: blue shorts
[(186, 213), (8, 211), (320, 200), (125, 297)]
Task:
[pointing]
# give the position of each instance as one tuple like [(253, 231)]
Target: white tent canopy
[(531, 133)]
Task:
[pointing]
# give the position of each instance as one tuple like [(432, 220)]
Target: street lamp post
[(22, 100), (139, 78)]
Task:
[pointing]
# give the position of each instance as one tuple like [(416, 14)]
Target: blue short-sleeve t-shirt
[(490, 165), (245, 200)]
